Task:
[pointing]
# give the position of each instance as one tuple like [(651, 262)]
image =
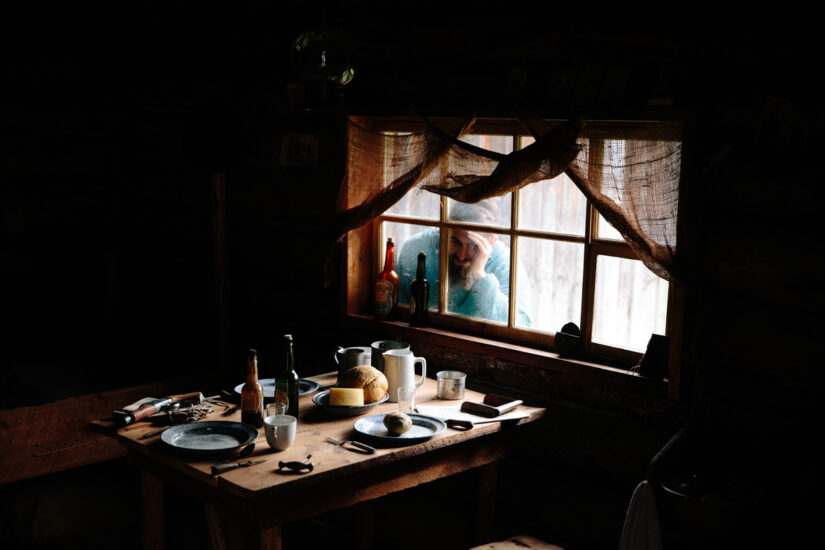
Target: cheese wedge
[(351, 397)]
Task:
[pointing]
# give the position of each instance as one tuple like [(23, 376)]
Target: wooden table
[(259, 500)]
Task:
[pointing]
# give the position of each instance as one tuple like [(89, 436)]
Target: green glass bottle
[(286, 379), (419, 294)]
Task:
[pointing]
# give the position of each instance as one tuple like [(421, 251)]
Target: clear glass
[(277, 408), (499, 207), (418, 204), (467, 283), (406, 399), (554, 205), (607, 231), (554, 269), (630, 304)]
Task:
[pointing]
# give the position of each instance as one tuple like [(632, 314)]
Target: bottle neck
[(421, 270), (252, 370), (288, 364), (389, 259)]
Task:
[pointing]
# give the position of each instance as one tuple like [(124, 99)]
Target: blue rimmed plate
[(268, 384), (423, 428), (209, 437)]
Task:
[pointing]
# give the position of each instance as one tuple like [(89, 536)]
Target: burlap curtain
[(630, 173)]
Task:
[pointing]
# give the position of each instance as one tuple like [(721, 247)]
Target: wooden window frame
[(365, 249)]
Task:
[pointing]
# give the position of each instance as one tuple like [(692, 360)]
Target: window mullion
[(589, 274), (514, 219), (443, 259)]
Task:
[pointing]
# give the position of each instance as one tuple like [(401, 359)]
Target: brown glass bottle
[(385, 297), (252, 393), (420, 294)]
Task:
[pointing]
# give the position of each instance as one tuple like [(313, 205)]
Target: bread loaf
[(372, 380)]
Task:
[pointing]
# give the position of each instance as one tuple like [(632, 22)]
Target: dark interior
[(115, 119)]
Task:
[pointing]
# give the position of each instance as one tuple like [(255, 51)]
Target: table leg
[(152, 512), (365, 525), (486, 502), (227, 531)]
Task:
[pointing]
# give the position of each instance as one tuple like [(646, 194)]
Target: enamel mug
[(399, 368)]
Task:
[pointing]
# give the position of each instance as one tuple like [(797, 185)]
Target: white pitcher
[(399, 368)]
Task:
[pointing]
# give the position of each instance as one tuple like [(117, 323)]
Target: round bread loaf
[(367, 377)]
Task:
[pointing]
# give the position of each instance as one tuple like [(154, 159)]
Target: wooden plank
[(152, 512), (49, 438)]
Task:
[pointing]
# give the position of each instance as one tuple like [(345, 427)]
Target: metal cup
[(346, 358), (451, 384)]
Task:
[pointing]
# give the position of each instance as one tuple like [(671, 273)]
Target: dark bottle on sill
[(419, 294), (252, 393), (286, 379), (385, 299)]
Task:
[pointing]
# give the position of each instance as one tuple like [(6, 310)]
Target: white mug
[(280, 431), (399, 368)]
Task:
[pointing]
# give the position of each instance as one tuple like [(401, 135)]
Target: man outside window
[(479, 267)]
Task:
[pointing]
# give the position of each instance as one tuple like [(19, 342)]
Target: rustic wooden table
[(258, 500)]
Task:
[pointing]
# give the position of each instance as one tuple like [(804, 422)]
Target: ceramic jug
[(399, 368)]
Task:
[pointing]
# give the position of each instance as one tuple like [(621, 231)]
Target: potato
[(397, 422)]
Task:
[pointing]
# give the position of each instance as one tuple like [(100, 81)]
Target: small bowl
[(322, 400)]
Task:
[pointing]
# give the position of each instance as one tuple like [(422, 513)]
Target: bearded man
[(478, 282)]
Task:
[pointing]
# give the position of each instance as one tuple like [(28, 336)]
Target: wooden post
[(486, 502), (152, 512)]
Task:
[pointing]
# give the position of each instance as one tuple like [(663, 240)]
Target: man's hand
[(476, 271)]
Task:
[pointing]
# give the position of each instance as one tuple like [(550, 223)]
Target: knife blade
[(221, 468), (487, 410)]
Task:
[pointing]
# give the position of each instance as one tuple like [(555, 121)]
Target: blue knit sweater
[(487, 299)]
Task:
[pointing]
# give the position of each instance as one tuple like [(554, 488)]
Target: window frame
[(368, 242)]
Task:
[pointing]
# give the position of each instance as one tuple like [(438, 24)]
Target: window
[(549, 256)]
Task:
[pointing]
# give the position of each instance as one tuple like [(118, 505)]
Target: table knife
[(490, 411), (221, 468)]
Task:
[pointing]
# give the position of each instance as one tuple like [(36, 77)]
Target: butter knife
[(221, 468)]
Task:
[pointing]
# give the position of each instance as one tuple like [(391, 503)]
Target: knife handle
[(221, 468), (362, 446)]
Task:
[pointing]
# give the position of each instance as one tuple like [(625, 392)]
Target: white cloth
[(641, 524)]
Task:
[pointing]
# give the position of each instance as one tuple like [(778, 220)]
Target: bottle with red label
[(385, 297)]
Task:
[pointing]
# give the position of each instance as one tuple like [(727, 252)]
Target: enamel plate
[(423, 428), (209, 437), (268, 384)]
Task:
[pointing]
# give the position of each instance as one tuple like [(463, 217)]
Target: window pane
[(553, 296), (500, 207), (630, 303), (418, 204), (409, 241), (607, 231), (478, 287), (554, 205), (494, 212)]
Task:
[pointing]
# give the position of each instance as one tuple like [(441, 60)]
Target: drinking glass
[(406, 399)]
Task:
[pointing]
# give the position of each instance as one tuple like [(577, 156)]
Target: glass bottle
[(286, 379), (386, 286), (419, 294), (252, 393)]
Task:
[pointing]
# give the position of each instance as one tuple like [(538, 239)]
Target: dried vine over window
[(632, 178)]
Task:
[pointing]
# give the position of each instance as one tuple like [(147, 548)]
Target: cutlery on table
[(221, 468), (362, 446), (457, 424), (245, 452)]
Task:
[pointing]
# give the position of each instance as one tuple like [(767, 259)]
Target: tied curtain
[(629, 172)]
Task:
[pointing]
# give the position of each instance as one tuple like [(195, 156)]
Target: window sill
[(549, 375)]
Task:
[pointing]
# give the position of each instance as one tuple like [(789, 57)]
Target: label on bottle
[(383, 297)]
